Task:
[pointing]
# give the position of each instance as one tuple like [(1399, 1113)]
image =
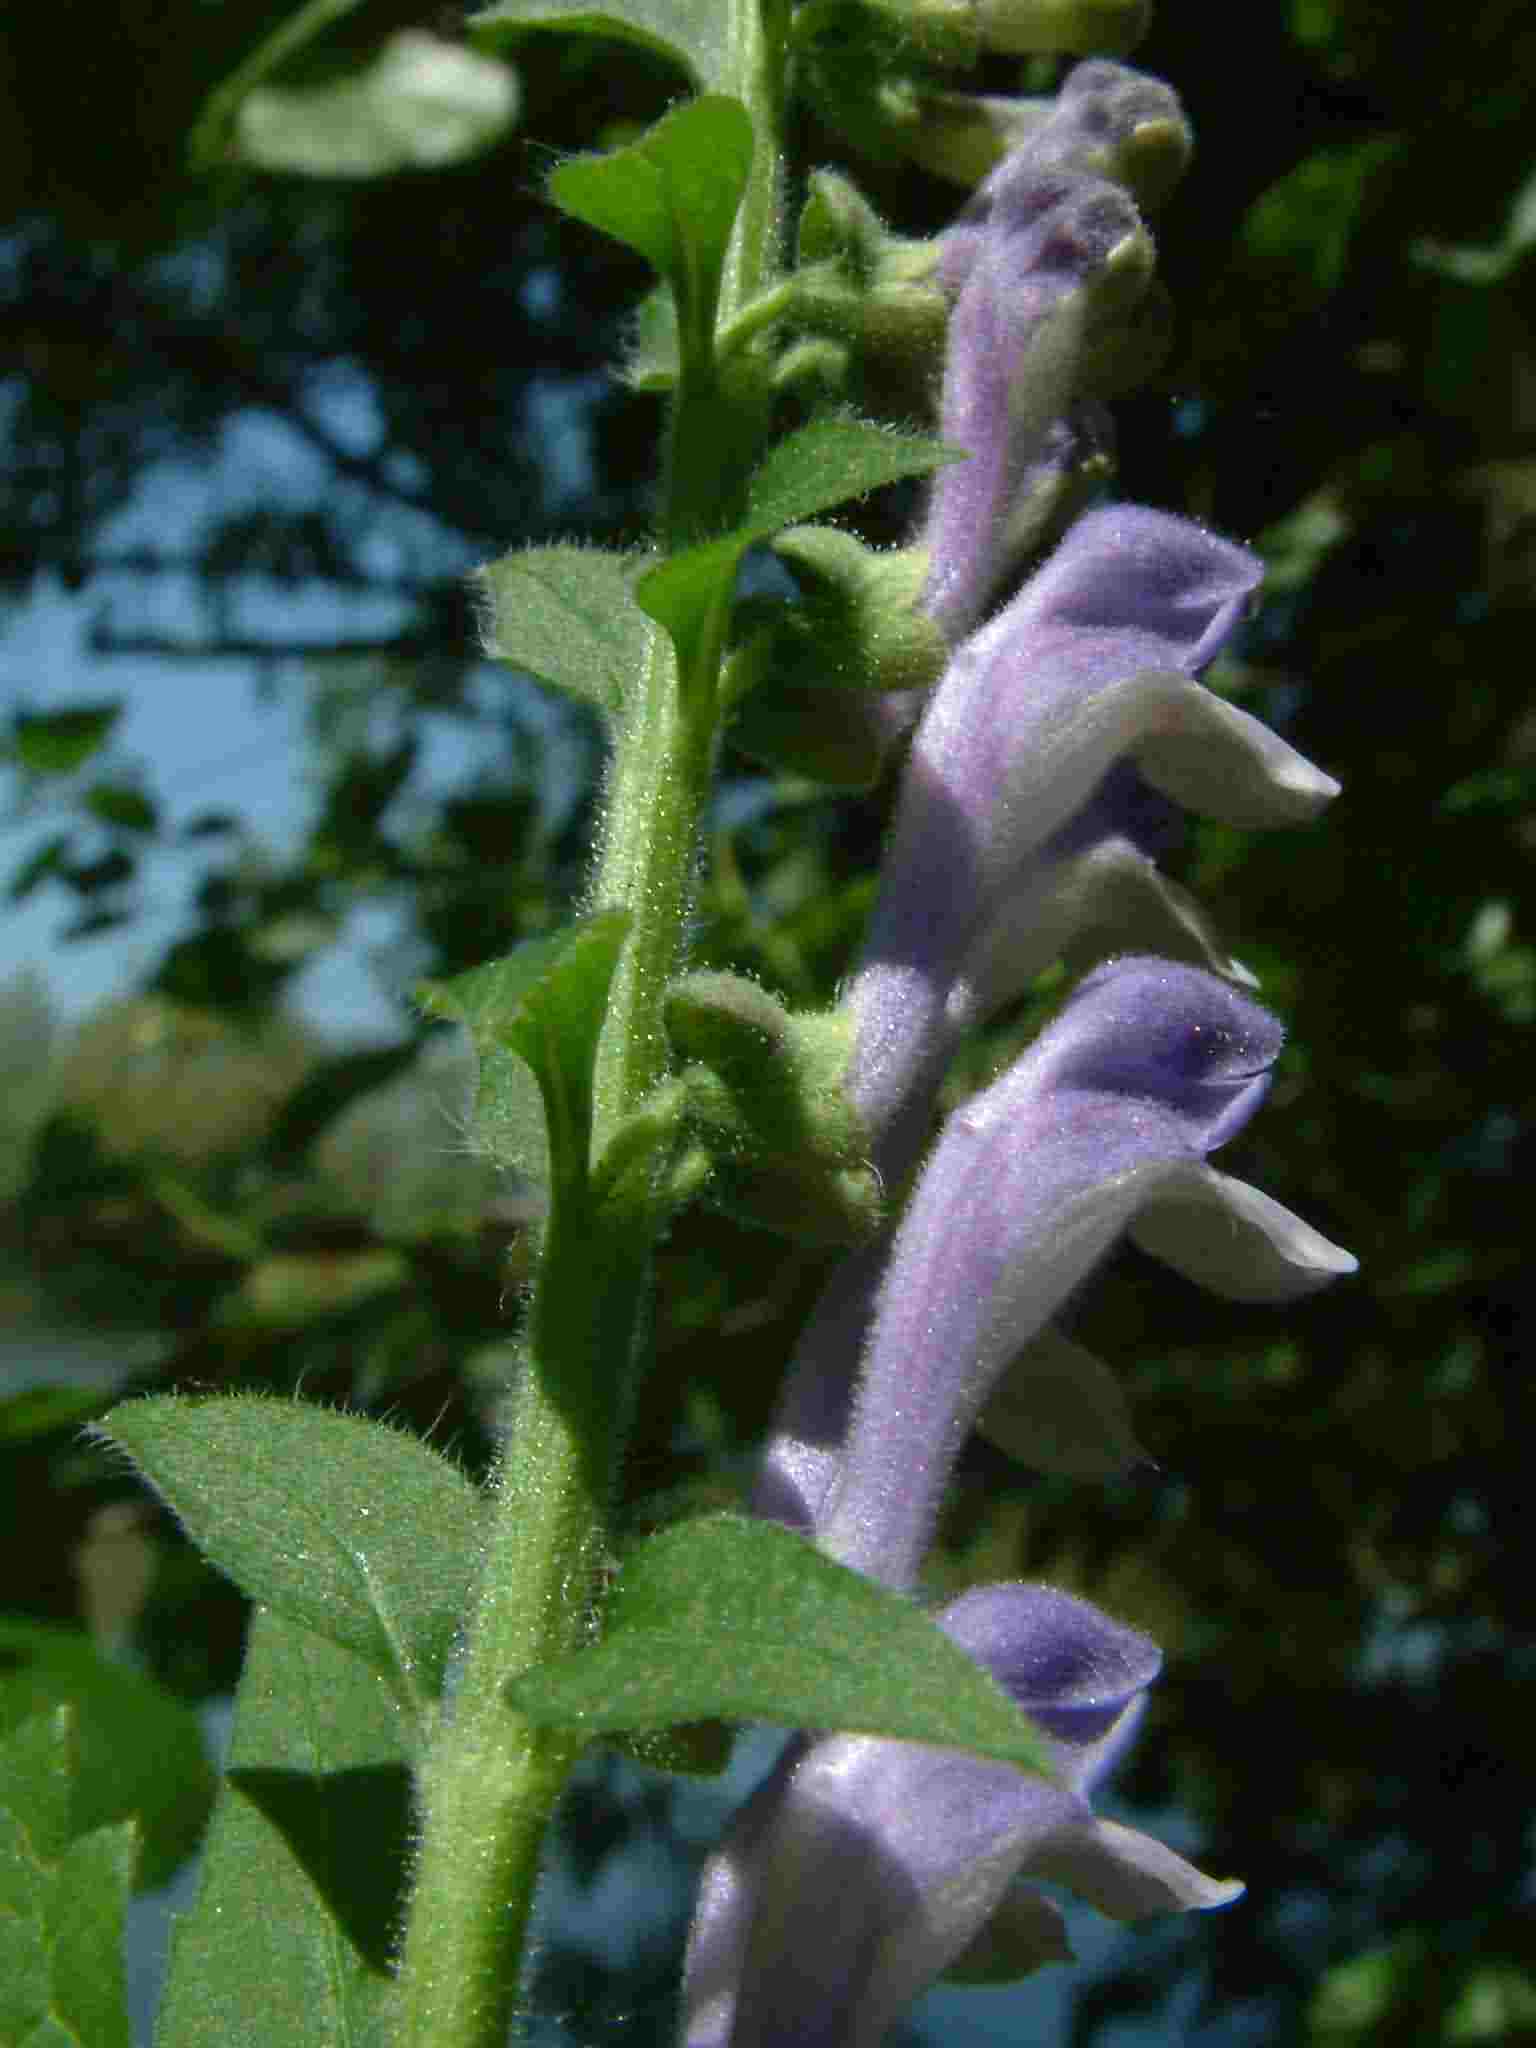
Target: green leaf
[(673, 197), (568, 616), (822, 465), (745, 1620), (123, 807), (63, 1899), (693, 34), (690, 595), (301, 1876), (37, 1764), (37, 1411), (544, 1004), (829, 462), (1303, 226), (51, 858), (1485, 263), (138, 1752), (420, 104), (59, 742), (341, 1524), (85, 1938)]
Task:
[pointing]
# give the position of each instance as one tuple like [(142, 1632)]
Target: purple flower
[(1019, 805), (1102, 1127), (864, 1867), (1104, 1123)]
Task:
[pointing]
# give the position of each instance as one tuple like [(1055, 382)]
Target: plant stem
[(490, 1780)]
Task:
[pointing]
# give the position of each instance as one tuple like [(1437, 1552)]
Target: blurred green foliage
[(197, 1190)]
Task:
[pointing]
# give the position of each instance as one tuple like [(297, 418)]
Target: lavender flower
[(1151, 1067), (1018, 805), (864, 1868), (1103, 1126)]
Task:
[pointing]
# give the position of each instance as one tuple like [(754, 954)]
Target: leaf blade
[(746, 1620), (282, 1496), (275, 1929), (672, 196), (690, 33), (568, 616)]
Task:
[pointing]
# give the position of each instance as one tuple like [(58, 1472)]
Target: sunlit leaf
[(672, 195), (745, 1620), (420, 104), (354, 1530), (568, 616)]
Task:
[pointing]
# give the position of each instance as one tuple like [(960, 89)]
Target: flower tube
[(863, 1868)]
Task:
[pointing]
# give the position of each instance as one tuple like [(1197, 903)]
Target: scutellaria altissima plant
[(1032, 667)]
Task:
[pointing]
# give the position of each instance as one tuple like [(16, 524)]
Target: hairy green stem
[(490, 1780)]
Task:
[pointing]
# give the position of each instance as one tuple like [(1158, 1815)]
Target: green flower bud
[(765, 1088), (862, 283)]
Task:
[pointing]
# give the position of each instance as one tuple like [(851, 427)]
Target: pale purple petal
[(1058, 1409), (1129, 1876), (1235, 1240)]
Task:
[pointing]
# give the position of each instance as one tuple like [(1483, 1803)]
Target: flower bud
[(1018, 339), (768, 1091)]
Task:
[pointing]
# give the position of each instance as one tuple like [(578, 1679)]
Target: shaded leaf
[(420, 104), (341, 1524), (745, 1620), (1302, 227), (123, 807), (59, 742), (38, 1410), (296, 1929), (348, 1829), (690, 33), (138, 1752), (51, 858), (568, 616), (544, 1005), (63, 1899)]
